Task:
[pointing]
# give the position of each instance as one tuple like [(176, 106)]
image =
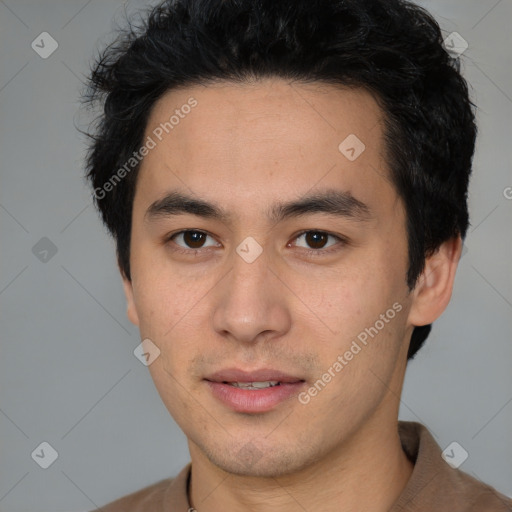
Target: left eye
[(316, 239)]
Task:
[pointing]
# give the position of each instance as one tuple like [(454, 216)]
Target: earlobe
[(131, 309), (434, 287)]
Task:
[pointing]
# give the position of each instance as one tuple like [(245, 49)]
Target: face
[(294, 271)]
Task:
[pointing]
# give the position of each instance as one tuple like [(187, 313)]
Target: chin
[(268, 462)]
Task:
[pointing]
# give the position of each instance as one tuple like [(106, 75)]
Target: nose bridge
[(248, 278), (250, 301)]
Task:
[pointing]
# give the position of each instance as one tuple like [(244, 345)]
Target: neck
[(368, 472)]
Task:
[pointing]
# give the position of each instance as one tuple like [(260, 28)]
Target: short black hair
[(391, 48)]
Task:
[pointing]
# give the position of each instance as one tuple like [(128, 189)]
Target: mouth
[(253, 392), (254, 385)]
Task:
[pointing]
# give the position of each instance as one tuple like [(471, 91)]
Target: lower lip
[(254, 400)]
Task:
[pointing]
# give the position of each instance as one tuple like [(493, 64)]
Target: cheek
[(351, 299), (171, 386), (172, 314), (366, 306), (163, 299)]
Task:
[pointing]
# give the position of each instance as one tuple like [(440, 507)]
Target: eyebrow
[(333, 202)]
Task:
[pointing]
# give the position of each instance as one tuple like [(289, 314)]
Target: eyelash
[(312, 252)]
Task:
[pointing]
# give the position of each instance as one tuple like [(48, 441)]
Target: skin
[(246, 147)]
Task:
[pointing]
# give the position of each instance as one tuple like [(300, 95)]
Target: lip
[(253, 400), (264, 374)]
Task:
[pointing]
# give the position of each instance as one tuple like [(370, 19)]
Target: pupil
[(315, 239), (194, 239)]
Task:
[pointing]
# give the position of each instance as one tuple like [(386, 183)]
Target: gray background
[(68, 374)]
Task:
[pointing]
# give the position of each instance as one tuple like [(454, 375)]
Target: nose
[(251, 303)]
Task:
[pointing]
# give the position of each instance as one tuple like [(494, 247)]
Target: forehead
[(244, 142)]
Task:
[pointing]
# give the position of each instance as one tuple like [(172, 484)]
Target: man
[(286, 182)]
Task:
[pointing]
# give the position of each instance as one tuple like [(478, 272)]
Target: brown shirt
[(434, 486)]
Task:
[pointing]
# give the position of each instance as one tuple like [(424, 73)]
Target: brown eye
[(316, 239), (194, 239), (191, 239)]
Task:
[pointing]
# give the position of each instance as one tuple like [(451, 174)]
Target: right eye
[(192, 240)]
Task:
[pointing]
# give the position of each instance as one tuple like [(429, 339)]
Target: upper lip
[(262, 375)]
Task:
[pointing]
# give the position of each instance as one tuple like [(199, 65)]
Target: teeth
[(255, 385)]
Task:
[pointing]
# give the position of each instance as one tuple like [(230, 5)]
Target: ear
[(433, 289), (131, 309)]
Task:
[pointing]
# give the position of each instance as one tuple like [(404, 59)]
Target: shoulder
[(436, 485), (159, 497), (149, 498), (475, 496)]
